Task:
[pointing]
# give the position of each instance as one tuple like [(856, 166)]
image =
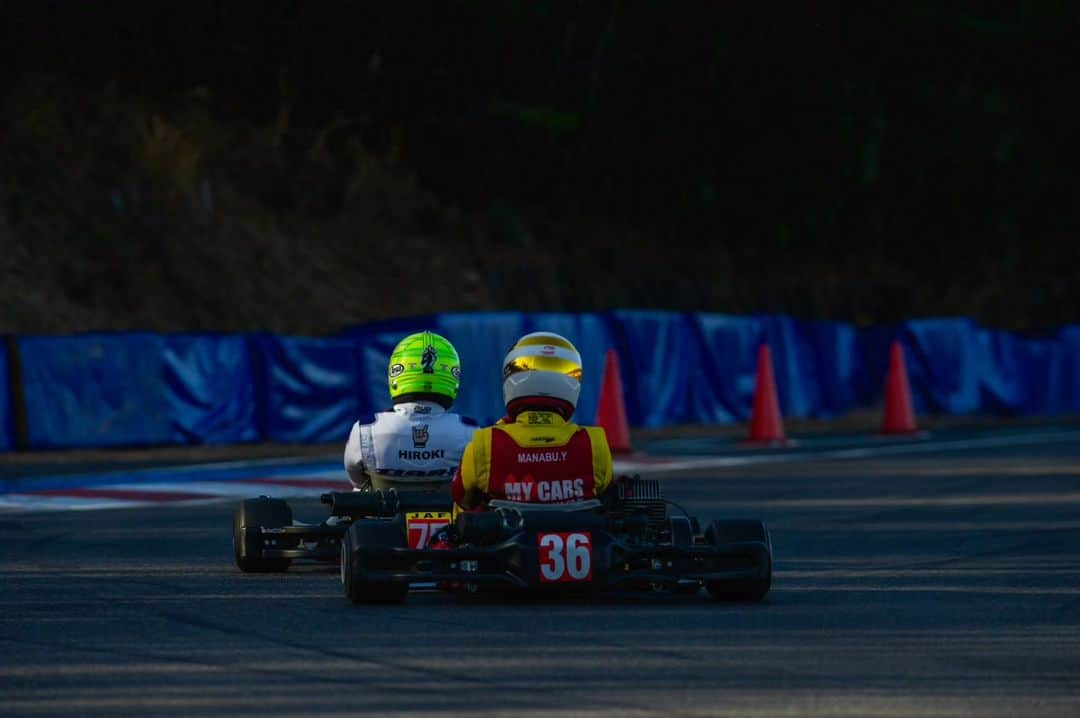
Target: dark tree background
[(303, 165)]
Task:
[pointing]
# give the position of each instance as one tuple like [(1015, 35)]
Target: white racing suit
[(418, 443)]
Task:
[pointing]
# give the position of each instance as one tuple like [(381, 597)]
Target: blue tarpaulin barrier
[(791, 359), (945, 364), (1022, 376), (94, 390), (310, 389), (1002, 381), (210, 389), (482, 341), (677, 368), (833, 365), (7, 439), (657, 348), (957, 368), (941, 358), (1069, 338), (1040, 363), (814, 364), (723, 369)]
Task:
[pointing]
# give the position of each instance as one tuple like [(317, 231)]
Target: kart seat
[(582, 515)]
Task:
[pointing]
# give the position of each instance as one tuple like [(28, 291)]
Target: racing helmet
[(542, 369), (424, 366)]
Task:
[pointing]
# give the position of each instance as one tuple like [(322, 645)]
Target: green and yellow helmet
[(424, 366)]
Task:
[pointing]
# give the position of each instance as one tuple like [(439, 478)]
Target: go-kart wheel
[(720, 533), (261, 512), (372, 534)]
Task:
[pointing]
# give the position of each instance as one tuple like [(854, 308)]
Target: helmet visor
[(554, 364)]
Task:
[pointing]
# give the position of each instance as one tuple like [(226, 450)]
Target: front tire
[(374, 534), (262, 512)]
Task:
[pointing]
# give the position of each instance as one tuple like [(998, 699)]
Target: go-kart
[(628, 541)]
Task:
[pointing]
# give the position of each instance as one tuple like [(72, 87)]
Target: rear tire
[(370, 533), (719, 533), (261, 512)]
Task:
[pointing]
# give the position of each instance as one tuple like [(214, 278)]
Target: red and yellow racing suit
[(538, 457)]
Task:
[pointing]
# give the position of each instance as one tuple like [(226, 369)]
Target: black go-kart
[(382, 541), (628, 541)]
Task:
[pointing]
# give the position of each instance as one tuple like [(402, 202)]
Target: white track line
[(211, 491), (715, 462), (200, 491), (30, 502), (230, 488)]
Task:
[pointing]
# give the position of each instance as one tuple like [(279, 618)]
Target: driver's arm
[(354, 460), (603, 468), (461, 488), (470, 485)]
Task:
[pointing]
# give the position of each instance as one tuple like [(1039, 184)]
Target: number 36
[(565, 556)]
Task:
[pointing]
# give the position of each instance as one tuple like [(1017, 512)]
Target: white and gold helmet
[(542, 366)]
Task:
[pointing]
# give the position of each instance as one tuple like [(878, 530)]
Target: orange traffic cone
[(766, 424), (611, 412), (899, 414)]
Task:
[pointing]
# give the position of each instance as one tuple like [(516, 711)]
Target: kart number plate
[(423, 525), (565, 557)]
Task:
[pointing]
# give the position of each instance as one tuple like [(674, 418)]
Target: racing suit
[(417, 442), (538, 457)]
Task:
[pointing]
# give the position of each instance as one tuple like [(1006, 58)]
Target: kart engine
[(640, 507)]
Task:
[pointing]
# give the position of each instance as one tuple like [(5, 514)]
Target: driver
[(418, 443), (535, 454)]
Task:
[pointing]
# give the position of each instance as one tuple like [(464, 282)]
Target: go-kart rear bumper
[(515, 564)]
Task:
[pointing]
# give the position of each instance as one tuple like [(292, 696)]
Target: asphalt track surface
[(924, 584)]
